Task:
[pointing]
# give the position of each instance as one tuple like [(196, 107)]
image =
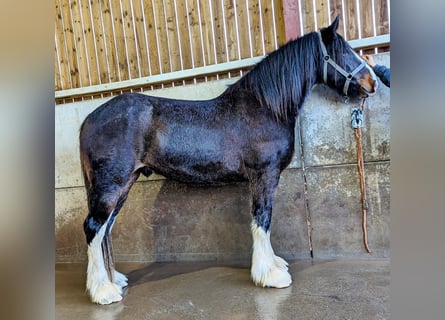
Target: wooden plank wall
[(359, 18), (104, 41)]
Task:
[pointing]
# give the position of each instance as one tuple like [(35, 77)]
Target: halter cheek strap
[(327, 59)]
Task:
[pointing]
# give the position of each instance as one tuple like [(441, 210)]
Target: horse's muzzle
[(368, 87)]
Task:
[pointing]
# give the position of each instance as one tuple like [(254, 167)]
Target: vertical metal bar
[(300, 12), (179, 39), (125, 41), (250, 33), (343, 13), (357, 4), (157, 38), (260, 13), (168, 38), (115, 42), (87, 58), (213, 34), (75, 44), (103, 39), (190, 36), (237, 31), (389, 16), (179, 35), (275, 44), (146, 36), (225, 31), (95, 46), (202, 35), (359, 23), (374, 25), (65, 45), (213, 31), (314, 9), (136, 40)]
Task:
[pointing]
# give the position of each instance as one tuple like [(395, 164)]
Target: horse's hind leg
[(268, 270), (107, 250), (104, 283), (99, 286)]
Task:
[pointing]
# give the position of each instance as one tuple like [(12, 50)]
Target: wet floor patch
[(339, 289)]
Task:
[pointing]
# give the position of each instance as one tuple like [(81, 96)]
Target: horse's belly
[(198, 172), (199, 168)]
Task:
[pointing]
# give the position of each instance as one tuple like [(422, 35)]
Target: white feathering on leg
[(120, 279), (99, 286), (268, 270)]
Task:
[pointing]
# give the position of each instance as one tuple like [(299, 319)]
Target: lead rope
[(357, 123)]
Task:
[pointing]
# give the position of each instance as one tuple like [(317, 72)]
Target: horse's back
[(117, 108), (133, 107)]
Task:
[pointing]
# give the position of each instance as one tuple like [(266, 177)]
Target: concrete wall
[(163, 220)]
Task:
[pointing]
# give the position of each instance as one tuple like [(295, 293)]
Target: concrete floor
[(339, 289)]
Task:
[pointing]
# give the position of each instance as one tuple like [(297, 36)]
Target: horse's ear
[(330, 33), (334, 25)]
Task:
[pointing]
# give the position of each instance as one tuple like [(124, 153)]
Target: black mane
[(281, 81)]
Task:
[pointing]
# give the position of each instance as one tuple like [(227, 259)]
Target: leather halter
[(348, 75)]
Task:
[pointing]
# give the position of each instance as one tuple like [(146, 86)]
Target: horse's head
[(342, 68)]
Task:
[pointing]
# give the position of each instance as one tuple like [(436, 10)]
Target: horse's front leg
[(268, 270)]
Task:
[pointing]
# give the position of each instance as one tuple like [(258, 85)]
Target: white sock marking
[(101, 289), (268, 270)]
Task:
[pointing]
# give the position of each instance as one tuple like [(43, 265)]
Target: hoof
[(275, 275), (106, 294)]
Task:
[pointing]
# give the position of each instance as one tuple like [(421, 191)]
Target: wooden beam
[(291, 19)]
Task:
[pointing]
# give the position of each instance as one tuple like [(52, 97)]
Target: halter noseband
[(327, 59)]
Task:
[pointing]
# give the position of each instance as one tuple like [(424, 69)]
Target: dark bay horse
[(245, 134)]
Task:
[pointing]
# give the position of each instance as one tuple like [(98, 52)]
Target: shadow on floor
[(163, 270)]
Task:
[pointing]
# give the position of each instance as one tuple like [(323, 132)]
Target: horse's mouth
[(368, 88), (364, 93)]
